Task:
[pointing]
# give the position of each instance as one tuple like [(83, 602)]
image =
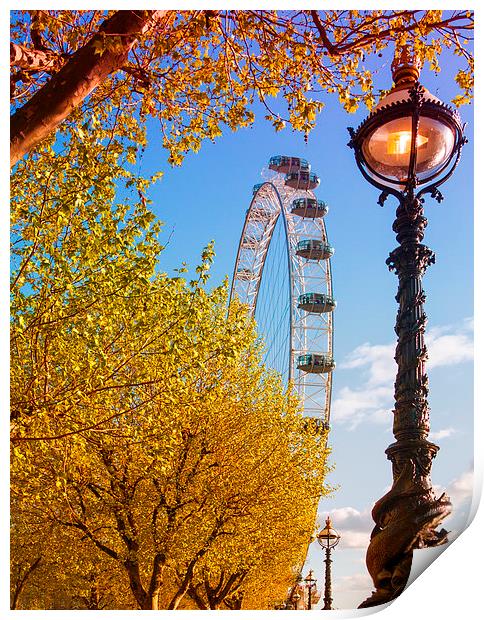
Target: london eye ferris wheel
[(283, 274)]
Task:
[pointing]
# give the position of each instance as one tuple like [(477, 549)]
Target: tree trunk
[(76, 80), (182, 590), (177, 599), (21, 583), (156, 579), (234, 604), (142, 597), (196, 598), (237, 603)]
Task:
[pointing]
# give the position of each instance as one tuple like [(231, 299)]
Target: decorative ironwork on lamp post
[(407, 147), (328, 538)]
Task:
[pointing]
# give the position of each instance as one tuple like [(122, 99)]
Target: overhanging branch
[(85, 70)]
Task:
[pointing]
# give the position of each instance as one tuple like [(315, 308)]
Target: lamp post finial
[(406, 67)]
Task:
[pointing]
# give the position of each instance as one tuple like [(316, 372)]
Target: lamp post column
[(408, 146), (310, 584), (328, 538), (411, 502), (328, 600)]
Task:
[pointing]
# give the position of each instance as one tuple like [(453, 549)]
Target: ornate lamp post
[(328, 538), (407, 147), (295, 599), (294, 595), (310, 583)]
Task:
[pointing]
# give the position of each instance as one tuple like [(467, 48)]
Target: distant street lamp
[(328, 538), (294, 595), (310, 583), (407, 147), (295, 598)]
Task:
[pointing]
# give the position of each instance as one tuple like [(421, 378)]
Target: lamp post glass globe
[(310, 579), (410, 138), (328, 537), (387, 148)]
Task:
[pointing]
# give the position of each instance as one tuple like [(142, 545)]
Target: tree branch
[(21, 584), (33, 59), (86, 69), (332, 50)]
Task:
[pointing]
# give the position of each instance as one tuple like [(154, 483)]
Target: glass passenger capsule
[(303, 179), (316, 302), (314, 249), (284, 164), (257, 187), (309, 207), (315, 363)]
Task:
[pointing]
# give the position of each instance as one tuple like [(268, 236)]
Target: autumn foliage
[(197, 73), (155, 463)]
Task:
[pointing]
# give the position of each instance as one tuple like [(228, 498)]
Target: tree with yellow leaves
[(197, 72), (204, 465), (138, 407), (51, 570)]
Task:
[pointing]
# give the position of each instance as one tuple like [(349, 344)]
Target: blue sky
[(207, 198)]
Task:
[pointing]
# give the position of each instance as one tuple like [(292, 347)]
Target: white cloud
[(450, 344), (376, 359), (349, 517), (372, 401), (353, 406), (350, 590), (383, 416), (443, 434), (351, 539), (359, 581), (461, 488)]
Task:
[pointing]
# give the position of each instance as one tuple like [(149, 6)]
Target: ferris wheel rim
[(254, 197), (270, 190)]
